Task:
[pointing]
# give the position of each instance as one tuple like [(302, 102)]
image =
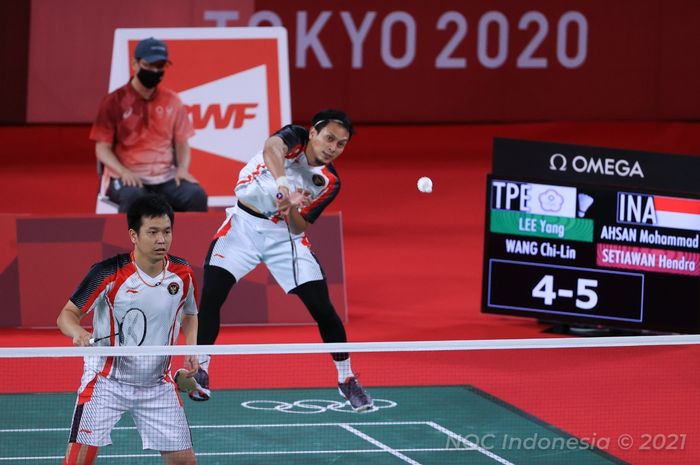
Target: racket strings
[(133, 328), (131, 331)]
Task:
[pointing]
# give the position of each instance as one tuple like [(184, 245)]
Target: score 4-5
[(586, 296), (541, 288)]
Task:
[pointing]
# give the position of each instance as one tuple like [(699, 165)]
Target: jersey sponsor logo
[(173, 288), (127, 113), (318, 180), (132, 291), (230, 114), (219, 255), (86, 431)]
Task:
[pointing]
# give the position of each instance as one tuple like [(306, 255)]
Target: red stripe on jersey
[(122, 275), (91, 299), (108, 364), (86, 393), (248, 179), (295, 151), (332, 181), (305, 241), (173, 341), (177, 394), (224, 229), (185, 273), (187, 276)]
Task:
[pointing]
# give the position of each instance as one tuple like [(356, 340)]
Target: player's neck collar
[(147, 283)]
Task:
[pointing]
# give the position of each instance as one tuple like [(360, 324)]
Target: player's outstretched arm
[(69, 323)]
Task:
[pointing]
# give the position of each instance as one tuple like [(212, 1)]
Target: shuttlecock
[(425, 184), (584, 203)]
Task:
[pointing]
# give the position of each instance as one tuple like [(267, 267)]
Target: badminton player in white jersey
[(163, 288), (281, 191)]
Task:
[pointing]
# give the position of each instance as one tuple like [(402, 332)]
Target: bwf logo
[(230, 115)]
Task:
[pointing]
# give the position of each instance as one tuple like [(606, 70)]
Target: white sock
[(344, 370), (204, 362)]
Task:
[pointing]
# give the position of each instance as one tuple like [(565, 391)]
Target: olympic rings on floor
[(311, 406)]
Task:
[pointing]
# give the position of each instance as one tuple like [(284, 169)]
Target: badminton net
[(607, 400)]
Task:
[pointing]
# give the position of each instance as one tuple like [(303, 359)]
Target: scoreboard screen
[(577, 252)]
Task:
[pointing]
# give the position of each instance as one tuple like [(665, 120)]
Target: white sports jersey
[(116, 285), (257, 187)]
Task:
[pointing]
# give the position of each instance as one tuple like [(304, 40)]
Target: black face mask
[(149, 78)]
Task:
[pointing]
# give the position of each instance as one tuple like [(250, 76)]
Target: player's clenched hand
[(282, 199), (81, 338), (191, 365), (298, 199)]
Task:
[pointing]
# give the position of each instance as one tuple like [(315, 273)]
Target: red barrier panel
[(46, 257)]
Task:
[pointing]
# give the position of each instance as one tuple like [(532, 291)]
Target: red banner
[(410, 61)]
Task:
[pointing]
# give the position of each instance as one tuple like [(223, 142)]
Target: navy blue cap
[(151, 50)]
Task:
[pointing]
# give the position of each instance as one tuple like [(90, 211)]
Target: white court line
[(379, 444), (348, 426), (255, 425), (226, 454), (471, 445)]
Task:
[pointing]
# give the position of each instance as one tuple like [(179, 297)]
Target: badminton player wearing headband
[(160, 290), (281, 191)]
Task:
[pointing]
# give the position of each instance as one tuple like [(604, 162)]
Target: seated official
[(141, 134)]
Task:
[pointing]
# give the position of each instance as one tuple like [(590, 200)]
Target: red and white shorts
[(156, 410), (244, 241)]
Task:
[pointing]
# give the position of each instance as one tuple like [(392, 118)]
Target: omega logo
[(596, 165)]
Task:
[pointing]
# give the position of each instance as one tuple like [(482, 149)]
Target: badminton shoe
[(356, 395)]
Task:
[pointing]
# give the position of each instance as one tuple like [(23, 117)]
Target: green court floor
[(436, 425)]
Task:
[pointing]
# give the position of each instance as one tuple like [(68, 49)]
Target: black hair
[(148, 206), (323, 117)]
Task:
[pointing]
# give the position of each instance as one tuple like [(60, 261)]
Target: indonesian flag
[(673, 212)]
